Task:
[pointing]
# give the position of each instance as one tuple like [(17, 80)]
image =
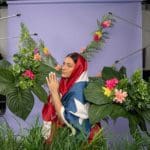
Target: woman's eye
[(70, 66)]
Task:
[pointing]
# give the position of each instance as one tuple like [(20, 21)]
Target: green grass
[(31, 139)]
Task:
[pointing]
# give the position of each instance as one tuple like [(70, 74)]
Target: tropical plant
[(26, 75), (114, 95)]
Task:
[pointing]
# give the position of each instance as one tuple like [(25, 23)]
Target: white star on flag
[(82, 110)]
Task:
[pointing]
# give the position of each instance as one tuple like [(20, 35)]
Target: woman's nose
[(63, 67)]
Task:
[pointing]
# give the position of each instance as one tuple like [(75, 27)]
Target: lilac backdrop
[(66, 26)]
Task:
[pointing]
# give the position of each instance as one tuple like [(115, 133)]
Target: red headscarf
[(48, 112), (80, 67)]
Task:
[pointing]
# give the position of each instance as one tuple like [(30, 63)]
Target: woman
[(67, 103)]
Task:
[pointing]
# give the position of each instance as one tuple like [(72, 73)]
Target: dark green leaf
[(99, 112), (133, 124), (39, 91), (94, 94), (50, 61), (4, 64), (20, 102), (117, 111), (142, 125), (110, 72), (44, 71), (7, 79), (146, 115), (123, 71)]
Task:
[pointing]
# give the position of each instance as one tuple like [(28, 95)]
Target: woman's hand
[(52, 83)]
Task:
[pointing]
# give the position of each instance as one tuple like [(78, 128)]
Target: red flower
[(29, 74), (106, 24), (97, 36)]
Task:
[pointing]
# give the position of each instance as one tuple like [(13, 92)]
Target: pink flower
[(29, 74), (106, 23), (37, 57), (36, 50), (111, 84), (120, 96)]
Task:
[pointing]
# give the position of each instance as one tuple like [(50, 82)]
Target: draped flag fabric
[(75, 108), (74, 111)]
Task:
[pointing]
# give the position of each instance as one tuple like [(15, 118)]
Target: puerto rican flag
[(75, 107)]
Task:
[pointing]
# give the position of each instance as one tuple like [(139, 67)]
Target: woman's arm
[(53, 85)]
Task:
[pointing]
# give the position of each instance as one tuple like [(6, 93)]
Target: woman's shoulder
[(79, 86)]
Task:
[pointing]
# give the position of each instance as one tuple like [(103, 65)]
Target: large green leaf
[(20, 102), (7, 80), (99, 112), (110, 72), (50, 61), (94, 94), (4, 63), (44, 71), (39, 91)]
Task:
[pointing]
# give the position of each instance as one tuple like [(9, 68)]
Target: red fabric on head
[(80, 67)]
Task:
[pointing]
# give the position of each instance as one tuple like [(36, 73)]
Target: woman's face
[(67, 67)]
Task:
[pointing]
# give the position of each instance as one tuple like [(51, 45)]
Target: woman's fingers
[(52, 82), (47, 80), (52, 76)]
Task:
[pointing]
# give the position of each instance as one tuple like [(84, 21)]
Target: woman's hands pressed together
[(52, 83), (53, 86)]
